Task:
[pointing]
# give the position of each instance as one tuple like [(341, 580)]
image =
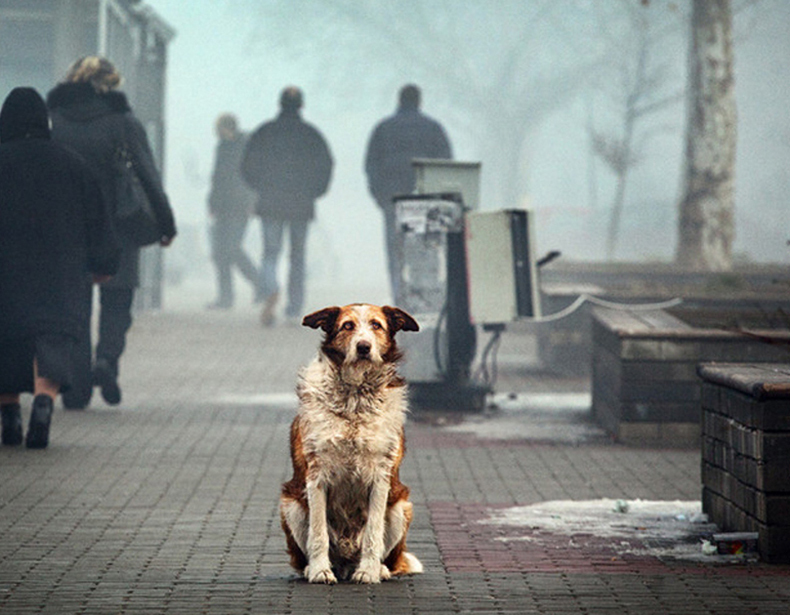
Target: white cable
[(562, 313), (662, 305), (584, 298)]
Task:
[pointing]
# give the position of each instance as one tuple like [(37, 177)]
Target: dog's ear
[(399, 320), (323, 319)]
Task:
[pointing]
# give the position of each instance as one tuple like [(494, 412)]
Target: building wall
[(40, 40)]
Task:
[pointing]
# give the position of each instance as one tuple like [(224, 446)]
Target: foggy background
[(537, 91)]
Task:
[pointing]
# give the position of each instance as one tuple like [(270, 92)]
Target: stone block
[(773, 542), (641, 349), (709, 396), (769, 476), (664, 371), (756, 443), (770, 509)]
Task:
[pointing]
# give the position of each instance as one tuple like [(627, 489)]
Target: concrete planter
[(645, 388), (746, 452), (565, 345)]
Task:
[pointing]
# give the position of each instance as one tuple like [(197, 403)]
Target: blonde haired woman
[(92, 117)]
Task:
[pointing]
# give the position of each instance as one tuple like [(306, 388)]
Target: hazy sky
[(211, 71)]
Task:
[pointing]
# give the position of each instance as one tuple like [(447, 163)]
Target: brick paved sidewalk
[(168, 503)]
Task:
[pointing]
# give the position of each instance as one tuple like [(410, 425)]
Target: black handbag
[(135, 220)]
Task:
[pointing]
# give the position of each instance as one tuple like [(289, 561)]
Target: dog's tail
[(410, 564)]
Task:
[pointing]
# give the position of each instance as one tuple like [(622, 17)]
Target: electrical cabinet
[(438, 176), (502, 272)]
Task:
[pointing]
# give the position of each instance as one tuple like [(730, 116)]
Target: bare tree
[(641, 87), (706, 225)]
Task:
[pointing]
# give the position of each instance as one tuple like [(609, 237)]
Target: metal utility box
[(427, 224), (502, 282), (439, 176)]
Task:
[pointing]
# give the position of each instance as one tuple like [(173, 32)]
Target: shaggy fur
[(345, 512)]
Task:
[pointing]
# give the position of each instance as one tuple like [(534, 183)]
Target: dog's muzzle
[(363, 350)]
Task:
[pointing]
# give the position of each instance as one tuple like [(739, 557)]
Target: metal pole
[(101, 45)]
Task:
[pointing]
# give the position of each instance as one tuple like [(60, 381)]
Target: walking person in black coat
[(230, 204), (56, 232), (93, 118), (288, 163), (394, 143)]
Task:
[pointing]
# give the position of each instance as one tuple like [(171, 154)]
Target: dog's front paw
[(320, 574), (369, 573)]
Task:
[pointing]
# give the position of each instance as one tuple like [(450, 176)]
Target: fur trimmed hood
[(80, 102)]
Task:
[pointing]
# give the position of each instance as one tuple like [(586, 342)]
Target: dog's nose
[(363, 349)]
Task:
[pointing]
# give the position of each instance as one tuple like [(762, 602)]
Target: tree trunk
[(706, 227)]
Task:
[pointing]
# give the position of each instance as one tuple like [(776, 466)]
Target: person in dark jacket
[(56, 232), (91, 116), (393, 144), (288, 163), (230, 204)]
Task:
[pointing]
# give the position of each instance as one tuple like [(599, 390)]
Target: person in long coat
[(230, 204), (393, 144), (56, 232), (93, 117), (288, 163)]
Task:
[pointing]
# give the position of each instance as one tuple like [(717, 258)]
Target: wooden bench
[(746, 452)]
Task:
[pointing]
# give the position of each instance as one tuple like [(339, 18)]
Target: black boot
[(12, 424), (38, 430), (105, 377)]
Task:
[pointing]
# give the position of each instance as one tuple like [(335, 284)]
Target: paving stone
[(168, 502)]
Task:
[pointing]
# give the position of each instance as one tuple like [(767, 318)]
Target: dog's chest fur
[(351, 424)]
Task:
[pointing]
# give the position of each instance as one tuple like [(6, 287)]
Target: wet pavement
[(168, 502)]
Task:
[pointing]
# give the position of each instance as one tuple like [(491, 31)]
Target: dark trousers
[(273, 232), (226, 238), (115, 319)]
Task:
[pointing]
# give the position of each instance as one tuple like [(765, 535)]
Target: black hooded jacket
[(288, 163), (395, 141), (54, 227), (96, 126)]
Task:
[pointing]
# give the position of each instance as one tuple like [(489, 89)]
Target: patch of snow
[(665, 529), (568, 402), (271, 400), (555, 417)]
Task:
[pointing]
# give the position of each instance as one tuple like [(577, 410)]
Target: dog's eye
[(348, 326), (375, 324)]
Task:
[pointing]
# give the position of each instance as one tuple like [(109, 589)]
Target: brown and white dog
[(345, 512)]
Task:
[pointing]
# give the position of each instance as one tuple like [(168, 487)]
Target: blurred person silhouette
[(394, 142), (288, 163), (93, 117), (56, 233), (230, 203)]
